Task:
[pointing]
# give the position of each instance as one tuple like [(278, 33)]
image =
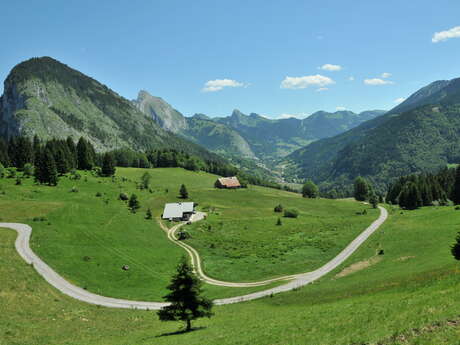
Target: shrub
[(74, 189), (291, 213), (98, 194), (11, 172), (278, 208), (18, 181), (279, 222), (148, 214), (133, 203), (28, 170), (74, 175), (123, 196)]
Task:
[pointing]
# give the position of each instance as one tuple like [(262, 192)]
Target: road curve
[(23, 248)]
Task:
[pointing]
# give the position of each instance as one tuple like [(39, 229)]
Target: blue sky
[(257, 56)]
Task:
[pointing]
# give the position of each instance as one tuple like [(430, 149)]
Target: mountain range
[(250, 136), (422, 134)]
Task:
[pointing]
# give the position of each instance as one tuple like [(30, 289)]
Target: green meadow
[(83, 231), (408, 295)]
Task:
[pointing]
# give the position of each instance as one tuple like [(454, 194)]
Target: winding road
[(23, 248)]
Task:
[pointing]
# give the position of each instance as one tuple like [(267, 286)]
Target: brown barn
[(228, 182)]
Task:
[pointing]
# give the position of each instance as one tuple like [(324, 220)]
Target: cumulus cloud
[(330, 67), (377, 81), (340, 108), (289, 116), (219, 84), (317, 80), (385, 75), (321, 89), (399, 100), (351, 78), (445, 35)]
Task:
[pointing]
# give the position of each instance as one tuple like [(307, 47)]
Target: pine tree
[(455, 250), (84, 155), (148, 215), (361, 189), (456, 190), (410, 197), (310, 190), (186, 300), (145, 180), (45, 170), (133, 203), (108, 165), (183, 192), (73, 152)]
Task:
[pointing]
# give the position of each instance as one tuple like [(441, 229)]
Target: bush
[(28, 170), (18, 181), (74, 175), (123, 196), (291, 213), (278, 208), (11, 172), (279, 222), (98, 194), (74, 189)]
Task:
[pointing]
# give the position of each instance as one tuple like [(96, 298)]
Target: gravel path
[(24, 250)]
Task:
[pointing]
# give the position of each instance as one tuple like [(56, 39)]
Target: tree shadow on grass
[(182, 331)]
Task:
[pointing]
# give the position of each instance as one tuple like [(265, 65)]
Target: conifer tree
[(374, 200), (73, 152), (410, 197), (148, 214), (361, 189), (108, 165), (85, 159), (183, 192), (455, 250), (133, 203), (185, 298), (456, 190), (45, 170)]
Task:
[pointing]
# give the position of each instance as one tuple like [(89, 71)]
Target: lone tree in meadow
[(310, 190), (455, 250), (183, 192), (108, 165), (361, 189), (374, 200), (133, 203), (145, 180), (187, 302), (148, 214), (456, 191)]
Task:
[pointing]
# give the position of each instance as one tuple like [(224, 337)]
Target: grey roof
[(177, 209)]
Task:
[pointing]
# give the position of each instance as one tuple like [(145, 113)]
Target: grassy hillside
[(408, 296), (88, 238)]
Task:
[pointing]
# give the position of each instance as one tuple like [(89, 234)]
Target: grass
[(410, 296), (89, 238)]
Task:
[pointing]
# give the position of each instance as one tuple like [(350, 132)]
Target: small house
[(228, 182), (178, 211)]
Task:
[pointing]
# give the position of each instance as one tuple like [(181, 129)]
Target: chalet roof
[(177, 209), (229, 181)]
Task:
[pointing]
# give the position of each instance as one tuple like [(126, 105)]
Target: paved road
[(24, 250)]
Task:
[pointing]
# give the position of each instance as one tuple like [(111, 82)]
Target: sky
[(275, 58)]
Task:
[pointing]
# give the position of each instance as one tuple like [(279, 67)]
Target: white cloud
[(399, 100), (385, 75), (377, 81), (340, 108), (445, 35), (306, 81), (219, 84), (289, 116), (351, 78), (321, 89), (330, 67)]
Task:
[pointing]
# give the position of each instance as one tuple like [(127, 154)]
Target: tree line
[(57, 157)]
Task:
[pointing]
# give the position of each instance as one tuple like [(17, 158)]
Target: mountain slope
[(423, 138), (47, 98)]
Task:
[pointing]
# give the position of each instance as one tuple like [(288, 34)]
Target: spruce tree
[(133, 203), (410, 197), (361, 189), (108, 165), (310, 190), (148, 215), (374, 200), (45, 170), (456, 190), (455, 250), (183, 192), (186, 300), (84, 155)]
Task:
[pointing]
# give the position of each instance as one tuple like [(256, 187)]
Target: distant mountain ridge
[(420, 134), (251, 136)]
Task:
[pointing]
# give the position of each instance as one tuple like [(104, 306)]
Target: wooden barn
[(228, 182)]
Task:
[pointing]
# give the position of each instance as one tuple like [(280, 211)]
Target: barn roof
[(229, 181), (177, 209)]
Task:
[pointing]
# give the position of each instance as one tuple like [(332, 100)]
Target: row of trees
[(414, 191)]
